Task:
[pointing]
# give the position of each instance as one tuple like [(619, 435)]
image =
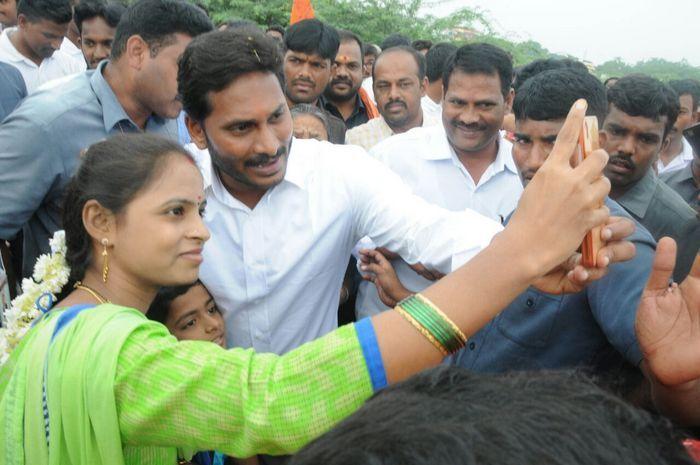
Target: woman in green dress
[(95, 382)]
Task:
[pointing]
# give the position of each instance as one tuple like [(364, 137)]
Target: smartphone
[(692, 135), (588, 142)]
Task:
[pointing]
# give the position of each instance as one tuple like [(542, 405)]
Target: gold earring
[(105, 260)]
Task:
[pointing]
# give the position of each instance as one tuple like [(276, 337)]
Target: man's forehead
[(637, 123), (306, 56), (538, 128)]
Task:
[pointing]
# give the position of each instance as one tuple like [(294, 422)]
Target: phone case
[(588, 142)]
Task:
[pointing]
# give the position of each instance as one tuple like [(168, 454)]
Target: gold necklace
[(92, 292)]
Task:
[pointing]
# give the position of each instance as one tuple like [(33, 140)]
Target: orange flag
[(301, 9)]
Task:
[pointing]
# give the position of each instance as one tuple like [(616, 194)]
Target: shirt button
[(472, 346), (529, 303)]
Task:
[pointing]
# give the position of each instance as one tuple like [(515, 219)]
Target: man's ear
[(424, 86), (196, 131), (137, 51), (509, 100), (665, 143)]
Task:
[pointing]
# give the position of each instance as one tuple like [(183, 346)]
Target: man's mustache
[(264, 158)]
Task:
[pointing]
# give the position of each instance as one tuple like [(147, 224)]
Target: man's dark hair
[(417, 57), (550, 94), (480, 58), (56, 11), (87, 9), (156, 21), (536, 67), (609, 81), (450, 416), (370, 49), (394, 40), (276, 28), (213, 61), (349, 36), (645, 96), (436, 58), (312, 36), (160, 307), (421, 44), (687, 87)]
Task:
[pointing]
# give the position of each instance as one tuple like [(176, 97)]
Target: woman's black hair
[(160, 307), (111, 172)]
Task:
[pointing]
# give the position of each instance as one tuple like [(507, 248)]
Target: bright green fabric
[(178, 394)]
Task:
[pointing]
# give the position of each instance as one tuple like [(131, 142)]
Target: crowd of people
[(229, 243)]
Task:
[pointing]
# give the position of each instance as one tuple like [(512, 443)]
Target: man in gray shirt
[(12, 89), (641, 112), (41, 141), (686, 182)]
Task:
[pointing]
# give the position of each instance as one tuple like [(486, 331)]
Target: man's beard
[(336, 97), (227, 167)]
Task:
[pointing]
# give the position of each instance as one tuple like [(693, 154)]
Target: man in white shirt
[(464, 162), (678, 153), (284, 214), (435, 61), (33, 46), (399, 83)]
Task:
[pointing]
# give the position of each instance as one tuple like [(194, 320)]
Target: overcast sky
[(597, 30)]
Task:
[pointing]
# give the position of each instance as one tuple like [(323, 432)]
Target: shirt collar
[(637, 199), (13, 54), (329, 106), (443, 150), (687, 153)]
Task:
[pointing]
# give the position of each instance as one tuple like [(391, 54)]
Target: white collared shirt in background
[(681, 160), (430, 108), (372, 132), (276, 270), (424, 160), (367, 86), (74, 51), (58, 65)]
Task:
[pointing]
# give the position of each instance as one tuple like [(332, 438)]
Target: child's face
[(195, 317)]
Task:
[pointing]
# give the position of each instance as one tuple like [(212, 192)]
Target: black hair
[(160, 307), (156, 21), (370, 49), (645, 96), (535, 67), (112, 172), (608, 81), (349, 36), (480, 58), (276, 28), (421, 44), (212, 61), (87, 9), (241, 24), (56, 11), (392, 40), (202, 7), (687, 87), (549, 95), (436, 58), (312, 36), (417, 57), (450, 416)]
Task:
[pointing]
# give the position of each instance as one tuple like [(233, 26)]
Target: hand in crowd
[(668, 320), (382, 274), (570, 276)]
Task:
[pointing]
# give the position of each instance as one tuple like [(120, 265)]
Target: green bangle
[(435, 322), (436, 326)]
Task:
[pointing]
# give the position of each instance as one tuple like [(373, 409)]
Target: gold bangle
[(460, 335), (422, 330)]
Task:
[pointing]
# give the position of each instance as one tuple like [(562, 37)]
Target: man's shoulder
[(667, 201), (54, 104), (676, 176), (10, 73), (414, 141)]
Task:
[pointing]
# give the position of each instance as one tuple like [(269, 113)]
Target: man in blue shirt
[(136, 90), (12, 89), (593, 328)]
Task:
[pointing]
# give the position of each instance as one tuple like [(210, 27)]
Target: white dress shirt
[(58, 65), (681, 160), (424, 160), (74, 51), (276, 270), (430, 108), (367, 86)]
